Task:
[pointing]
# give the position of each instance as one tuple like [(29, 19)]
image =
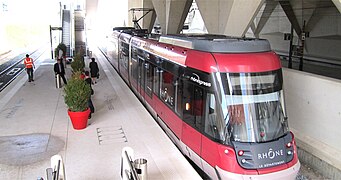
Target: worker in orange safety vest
[(29, 65)]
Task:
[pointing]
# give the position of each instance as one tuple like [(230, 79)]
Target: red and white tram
[(220, 99)]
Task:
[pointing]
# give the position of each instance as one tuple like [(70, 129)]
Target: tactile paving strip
[(110, 135)]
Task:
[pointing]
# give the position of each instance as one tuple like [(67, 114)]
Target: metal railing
[(132, 170), (56, 172), (128, 172)]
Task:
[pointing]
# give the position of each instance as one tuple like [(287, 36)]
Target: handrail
[(132, 171), (54, 173)]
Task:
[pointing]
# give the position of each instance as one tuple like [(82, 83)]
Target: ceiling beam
[(288, 10), (269, 8), (337, 4)]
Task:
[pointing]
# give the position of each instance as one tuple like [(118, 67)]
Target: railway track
[(14, 67)]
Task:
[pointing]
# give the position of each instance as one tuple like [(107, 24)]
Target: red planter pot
[(79, 119)]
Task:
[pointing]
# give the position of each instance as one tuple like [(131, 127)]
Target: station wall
[(314, 111)]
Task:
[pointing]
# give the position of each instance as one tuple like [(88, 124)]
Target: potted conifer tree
[(77, 64), (61, 46), (77, 93)]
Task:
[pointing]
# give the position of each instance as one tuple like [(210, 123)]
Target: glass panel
[(124, 55), (156, 81), (249, 107), (134, 70), (198, 105), (149, 79), (178, 93), (193, 105), (167, 88), (255, 118), (134, 53), (211, 117), (141, 73), (187, 103)]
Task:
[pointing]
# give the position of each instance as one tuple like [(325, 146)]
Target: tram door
[(193, 114), (141, 77)]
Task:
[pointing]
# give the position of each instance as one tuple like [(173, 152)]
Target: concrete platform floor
[(35, 126)]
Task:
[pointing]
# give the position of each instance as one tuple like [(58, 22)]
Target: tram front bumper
[(286, 174)]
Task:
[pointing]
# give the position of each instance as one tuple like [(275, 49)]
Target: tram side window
[(211, 117), (124, 49), (193, 105), (134, 70), (141, 72), (178, 97), (167, 88), (149, 79), (157, 81), (134, 53), (198, 104), (125, 52), (125, 62)]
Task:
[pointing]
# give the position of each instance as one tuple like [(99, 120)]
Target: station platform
[(35, 126)]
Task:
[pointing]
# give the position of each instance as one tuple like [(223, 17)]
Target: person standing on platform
[(29, 65), (60, 56), (90, 104), (94, 70), (59, 69)]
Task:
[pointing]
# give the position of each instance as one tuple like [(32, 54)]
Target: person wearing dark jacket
[(59, 69), (87, 79), (94, 70)]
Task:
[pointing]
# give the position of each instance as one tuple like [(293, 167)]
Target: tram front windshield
[(248, 107)]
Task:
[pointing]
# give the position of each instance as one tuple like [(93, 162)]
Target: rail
[(14, 67), (15, 61)]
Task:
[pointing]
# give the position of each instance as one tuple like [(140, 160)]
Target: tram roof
[(217, 43)]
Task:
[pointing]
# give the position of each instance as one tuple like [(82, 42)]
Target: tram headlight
[(240, 152), (288, 145)]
